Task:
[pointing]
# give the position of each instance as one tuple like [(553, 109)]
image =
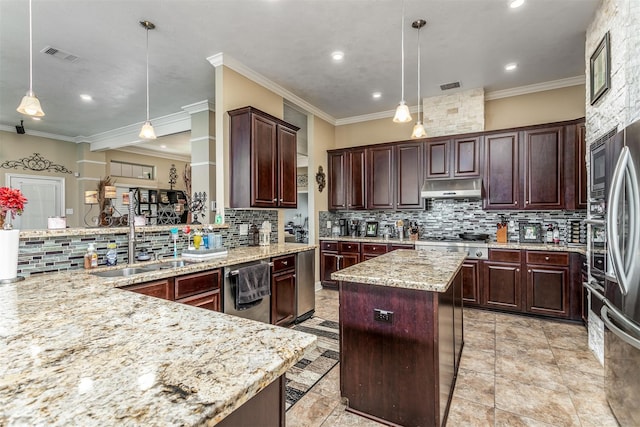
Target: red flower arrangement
[(11, 200)]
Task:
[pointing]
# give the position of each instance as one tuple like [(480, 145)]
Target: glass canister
[(253, 237), (265, 237)]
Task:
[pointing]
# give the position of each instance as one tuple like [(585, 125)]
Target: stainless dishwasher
[(260, 312), (305, 285)]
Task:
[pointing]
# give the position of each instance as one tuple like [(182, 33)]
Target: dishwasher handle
[(235, 272)]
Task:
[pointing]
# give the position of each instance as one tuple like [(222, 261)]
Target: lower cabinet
[(197, 289), (548, 283), (283, 290), (471, 282), (372, 250), (502, 286), (335, 255)]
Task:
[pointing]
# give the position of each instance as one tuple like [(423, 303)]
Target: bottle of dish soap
[(549, 238), (91, 257)]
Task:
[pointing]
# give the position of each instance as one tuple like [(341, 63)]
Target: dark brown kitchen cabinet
[(264, 147), (380, 174), (502, 284), (581, 167), (409, 175), (347, 179), (334, 256), (453, 158), (548, 283), (372, 250), (199, 289), (395, 246), (471, 279), (502, 177), (162, 288), (543, 168), (283, 290)]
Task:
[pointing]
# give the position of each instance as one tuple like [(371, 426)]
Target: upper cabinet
[(453, 158), (347, 179), (501, 181), (264, 146), (380, 179), (409, 175), (543, 168)]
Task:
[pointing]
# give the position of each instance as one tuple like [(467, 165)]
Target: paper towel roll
[(9, 242)]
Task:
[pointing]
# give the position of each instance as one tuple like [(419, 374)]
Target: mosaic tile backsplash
[(50, 254), (444, 218)]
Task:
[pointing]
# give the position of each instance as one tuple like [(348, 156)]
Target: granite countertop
[(76, 351), (368, 240), (90, 231), (427, 270), (582, 249)]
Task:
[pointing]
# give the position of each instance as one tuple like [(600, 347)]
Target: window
[(131, 170)]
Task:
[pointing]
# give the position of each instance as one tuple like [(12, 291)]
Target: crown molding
[(373, 116), (12, 129), (203, 138), (203, 164), (225, 59), (153, 153), (538, 87), (95, 162), (198, 107)]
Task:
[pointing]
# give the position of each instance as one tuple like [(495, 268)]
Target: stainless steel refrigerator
[(621, 308)]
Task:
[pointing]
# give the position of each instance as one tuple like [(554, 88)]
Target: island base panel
[(395, 371), (264, 409)]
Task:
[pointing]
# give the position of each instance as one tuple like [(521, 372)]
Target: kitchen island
[(401, 335), (76, 350)]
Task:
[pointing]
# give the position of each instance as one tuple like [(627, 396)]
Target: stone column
[(203, 156)]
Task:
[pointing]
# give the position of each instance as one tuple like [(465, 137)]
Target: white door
[(45, 198)]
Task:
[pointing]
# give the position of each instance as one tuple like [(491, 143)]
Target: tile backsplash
[(450, 217)]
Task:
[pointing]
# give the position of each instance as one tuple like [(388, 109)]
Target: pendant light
[(30, 104), (147, 131), (402, 111), (418, 128)]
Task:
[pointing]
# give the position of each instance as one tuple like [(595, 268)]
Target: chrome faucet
[(132, 230)]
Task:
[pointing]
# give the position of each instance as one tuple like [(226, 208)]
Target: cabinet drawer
[(329, 246), (374, 248), (283, 263), (401, 246), (209, 300), (158, 289), (349, 247), (193, 284), (554, 258), (504, 255)]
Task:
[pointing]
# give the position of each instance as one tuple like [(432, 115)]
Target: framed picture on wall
[(600, 69)]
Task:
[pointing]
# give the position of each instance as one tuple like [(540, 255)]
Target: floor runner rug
[(301, 377)]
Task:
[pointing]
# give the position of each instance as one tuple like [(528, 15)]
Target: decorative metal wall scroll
[(173, 176), (35, 163), (321, 179)]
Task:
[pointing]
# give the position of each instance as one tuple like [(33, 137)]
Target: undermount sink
[(123, 272), (165, 265)]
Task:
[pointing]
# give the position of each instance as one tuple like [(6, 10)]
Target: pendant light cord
[(402, 55), (419, 100), (147, 74), (30, 51)]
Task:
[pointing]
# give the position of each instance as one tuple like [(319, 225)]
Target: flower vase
[(9, 242)]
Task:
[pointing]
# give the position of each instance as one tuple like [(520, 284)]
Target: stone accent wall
[(446, 218), (51, 254), (460, 112)]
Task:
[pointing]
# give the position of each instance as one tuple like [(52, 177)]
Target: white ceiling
[(286, 41)]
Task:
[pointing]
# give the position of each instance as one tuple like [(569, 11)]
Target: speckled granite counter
[(582, 249), (421, 270), (90, 231), (370, 240), (75, 351)]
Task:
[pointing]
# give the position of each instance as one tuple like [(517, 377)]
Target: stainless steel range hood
[(468, 188)]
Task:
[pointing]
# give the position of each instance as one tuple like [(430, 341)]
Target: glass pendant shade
[(147, 131), (30, 105), (418, 130), (402, 113)]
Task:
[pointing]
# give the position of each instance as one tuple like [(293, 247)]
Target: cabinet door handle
[(517, 270), (526, 202), (281, 200), (515, 202), (528, 271), (275, 200), (546, 258), (293, 275), (284, 262)]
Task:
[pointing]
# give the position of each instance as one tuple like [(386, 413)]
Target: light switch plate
[(329, 224), (68, 211), (244, 229)]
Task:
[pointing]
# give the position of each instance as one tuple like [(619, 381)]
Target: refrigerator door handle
[(626, 271), (608, 312)]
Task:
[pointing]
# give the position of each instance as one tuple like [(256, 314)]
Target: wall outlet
[(68, 211), (244, 229), (382, 315), (329, 225)]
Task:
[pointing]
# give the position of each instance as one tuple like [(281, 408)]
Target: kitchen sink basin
[(123, 272), (167, 265)]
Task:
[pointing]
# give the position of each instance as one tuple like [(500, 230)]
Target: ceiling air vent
[(60, 54), (448, 86)]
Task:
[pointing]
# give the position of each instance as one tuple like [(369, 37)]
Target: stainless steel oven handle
[(619, 317)]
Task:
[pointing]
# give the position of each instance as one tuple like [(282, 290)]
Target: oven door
[(598, 170)]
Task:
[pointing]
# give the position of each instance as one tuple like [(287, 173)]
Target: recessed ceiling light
[(86, 97), (516, 3), (376, 95), (337, 55), (163, 146), (511, 67)]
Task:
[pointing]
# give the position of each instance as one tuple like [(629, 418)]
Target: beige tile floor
[(515, 371)]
